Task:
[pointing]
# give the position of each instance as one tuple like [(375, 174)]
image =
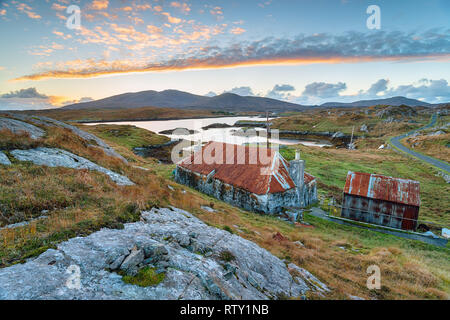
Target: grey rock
[(23, 223), (437, 133), (61, 158), (129, 265), (355, 297), (17, 127), (308, 278), (445, 176), (209, 209), (117, 263), (364, 128), (91, 138), (4, 159), (258, 274), (337, 135), (299, 243)]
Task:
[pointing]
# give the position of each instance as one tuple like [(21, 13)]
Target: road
[(444, 166)]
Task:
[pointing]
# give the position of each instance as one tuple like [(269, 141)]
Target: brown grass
[(433, 146), (145, 113), (81, 202)]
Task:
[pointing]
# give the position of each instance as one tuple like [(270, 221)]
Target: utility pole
[(353, 130), (267, 129)]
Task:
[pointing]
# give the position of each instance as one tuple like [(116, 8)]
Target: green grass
[(146, 277), (127, 136), (331, 166), (227, 256)]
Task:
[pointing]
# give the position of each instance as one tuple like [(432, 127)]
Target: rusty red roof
[(383, 188), (260, 172)]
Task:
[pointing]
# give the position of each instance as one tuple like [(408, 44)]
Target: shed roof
[(265, 174), (383, 188)]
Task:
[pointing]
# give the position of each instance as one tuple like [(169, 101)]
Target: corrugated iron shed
[(243, 167), (385, 188)]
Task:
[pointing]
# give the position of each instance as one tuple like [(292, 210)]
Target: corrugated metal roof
[(260, 176), (383, 188)]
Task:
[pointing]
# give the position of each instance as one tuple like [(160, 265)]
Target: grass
[(345, 120), (331, 166), (146, 277), (81, 202), (126, 135), (226, 256), (134, 114), (433, 146)]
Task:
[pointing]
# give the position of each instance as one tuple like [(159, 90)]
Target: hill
[(394, 101), (184, 100)]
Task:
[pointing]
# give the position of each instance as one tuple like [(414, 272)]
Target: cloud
[(182, 6), (430, 90), (351, 47), (23, 7), (324, 90), (25, 94), (242, 91), (211, 94), (31, 99), (283, 87), (237, 30), (280, 92), (172, 19), (99, 5), (379, 86), (85, 99)]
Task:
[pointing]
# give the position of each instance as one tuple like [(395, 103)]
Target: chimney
[(297, 172)]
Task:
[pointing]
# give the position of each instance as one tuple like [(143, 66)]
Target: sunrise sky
[(302, 51)]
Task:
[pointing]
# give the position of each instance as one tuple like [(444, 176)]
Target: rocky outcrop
[(17, 127), (92, 139), (199, 262), (61, 158), (436, 133), (364, 128), (4, 159)]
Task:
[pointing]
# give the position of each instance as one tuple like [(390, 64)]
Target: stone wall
[(271, 203)]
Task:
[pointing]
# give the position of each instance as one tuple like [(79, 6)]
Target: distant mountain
[(184, 100), (394, 101)]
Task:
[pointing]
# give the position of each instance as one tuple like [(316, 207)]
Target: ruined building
[(256, 179), (377, 199)]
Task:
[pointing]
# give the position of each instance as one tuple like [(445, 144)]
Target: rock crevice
[(170, 240)]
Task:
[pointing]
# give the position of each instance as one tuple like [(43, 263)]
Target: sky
[(57, 52)]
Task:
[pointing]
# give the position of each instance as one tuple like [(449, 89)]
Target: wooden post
[(267, 129)]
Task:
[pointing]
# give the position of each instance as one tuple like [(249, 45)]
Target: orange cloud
[(23, 7), (90, 68), (182, 6), (237, 30), (99, 4), (172, 19)]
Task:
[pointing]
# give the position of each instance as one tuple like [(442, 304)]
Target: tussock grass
[(345, 119), (146, 277), (82, 202), (126, 135), (10, 141)]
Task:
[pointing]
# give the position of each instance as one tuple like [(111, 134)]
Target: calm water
[(220, 134)]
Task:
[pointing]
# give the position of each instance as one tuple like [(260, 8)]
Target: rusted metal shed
[(381, 200)]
